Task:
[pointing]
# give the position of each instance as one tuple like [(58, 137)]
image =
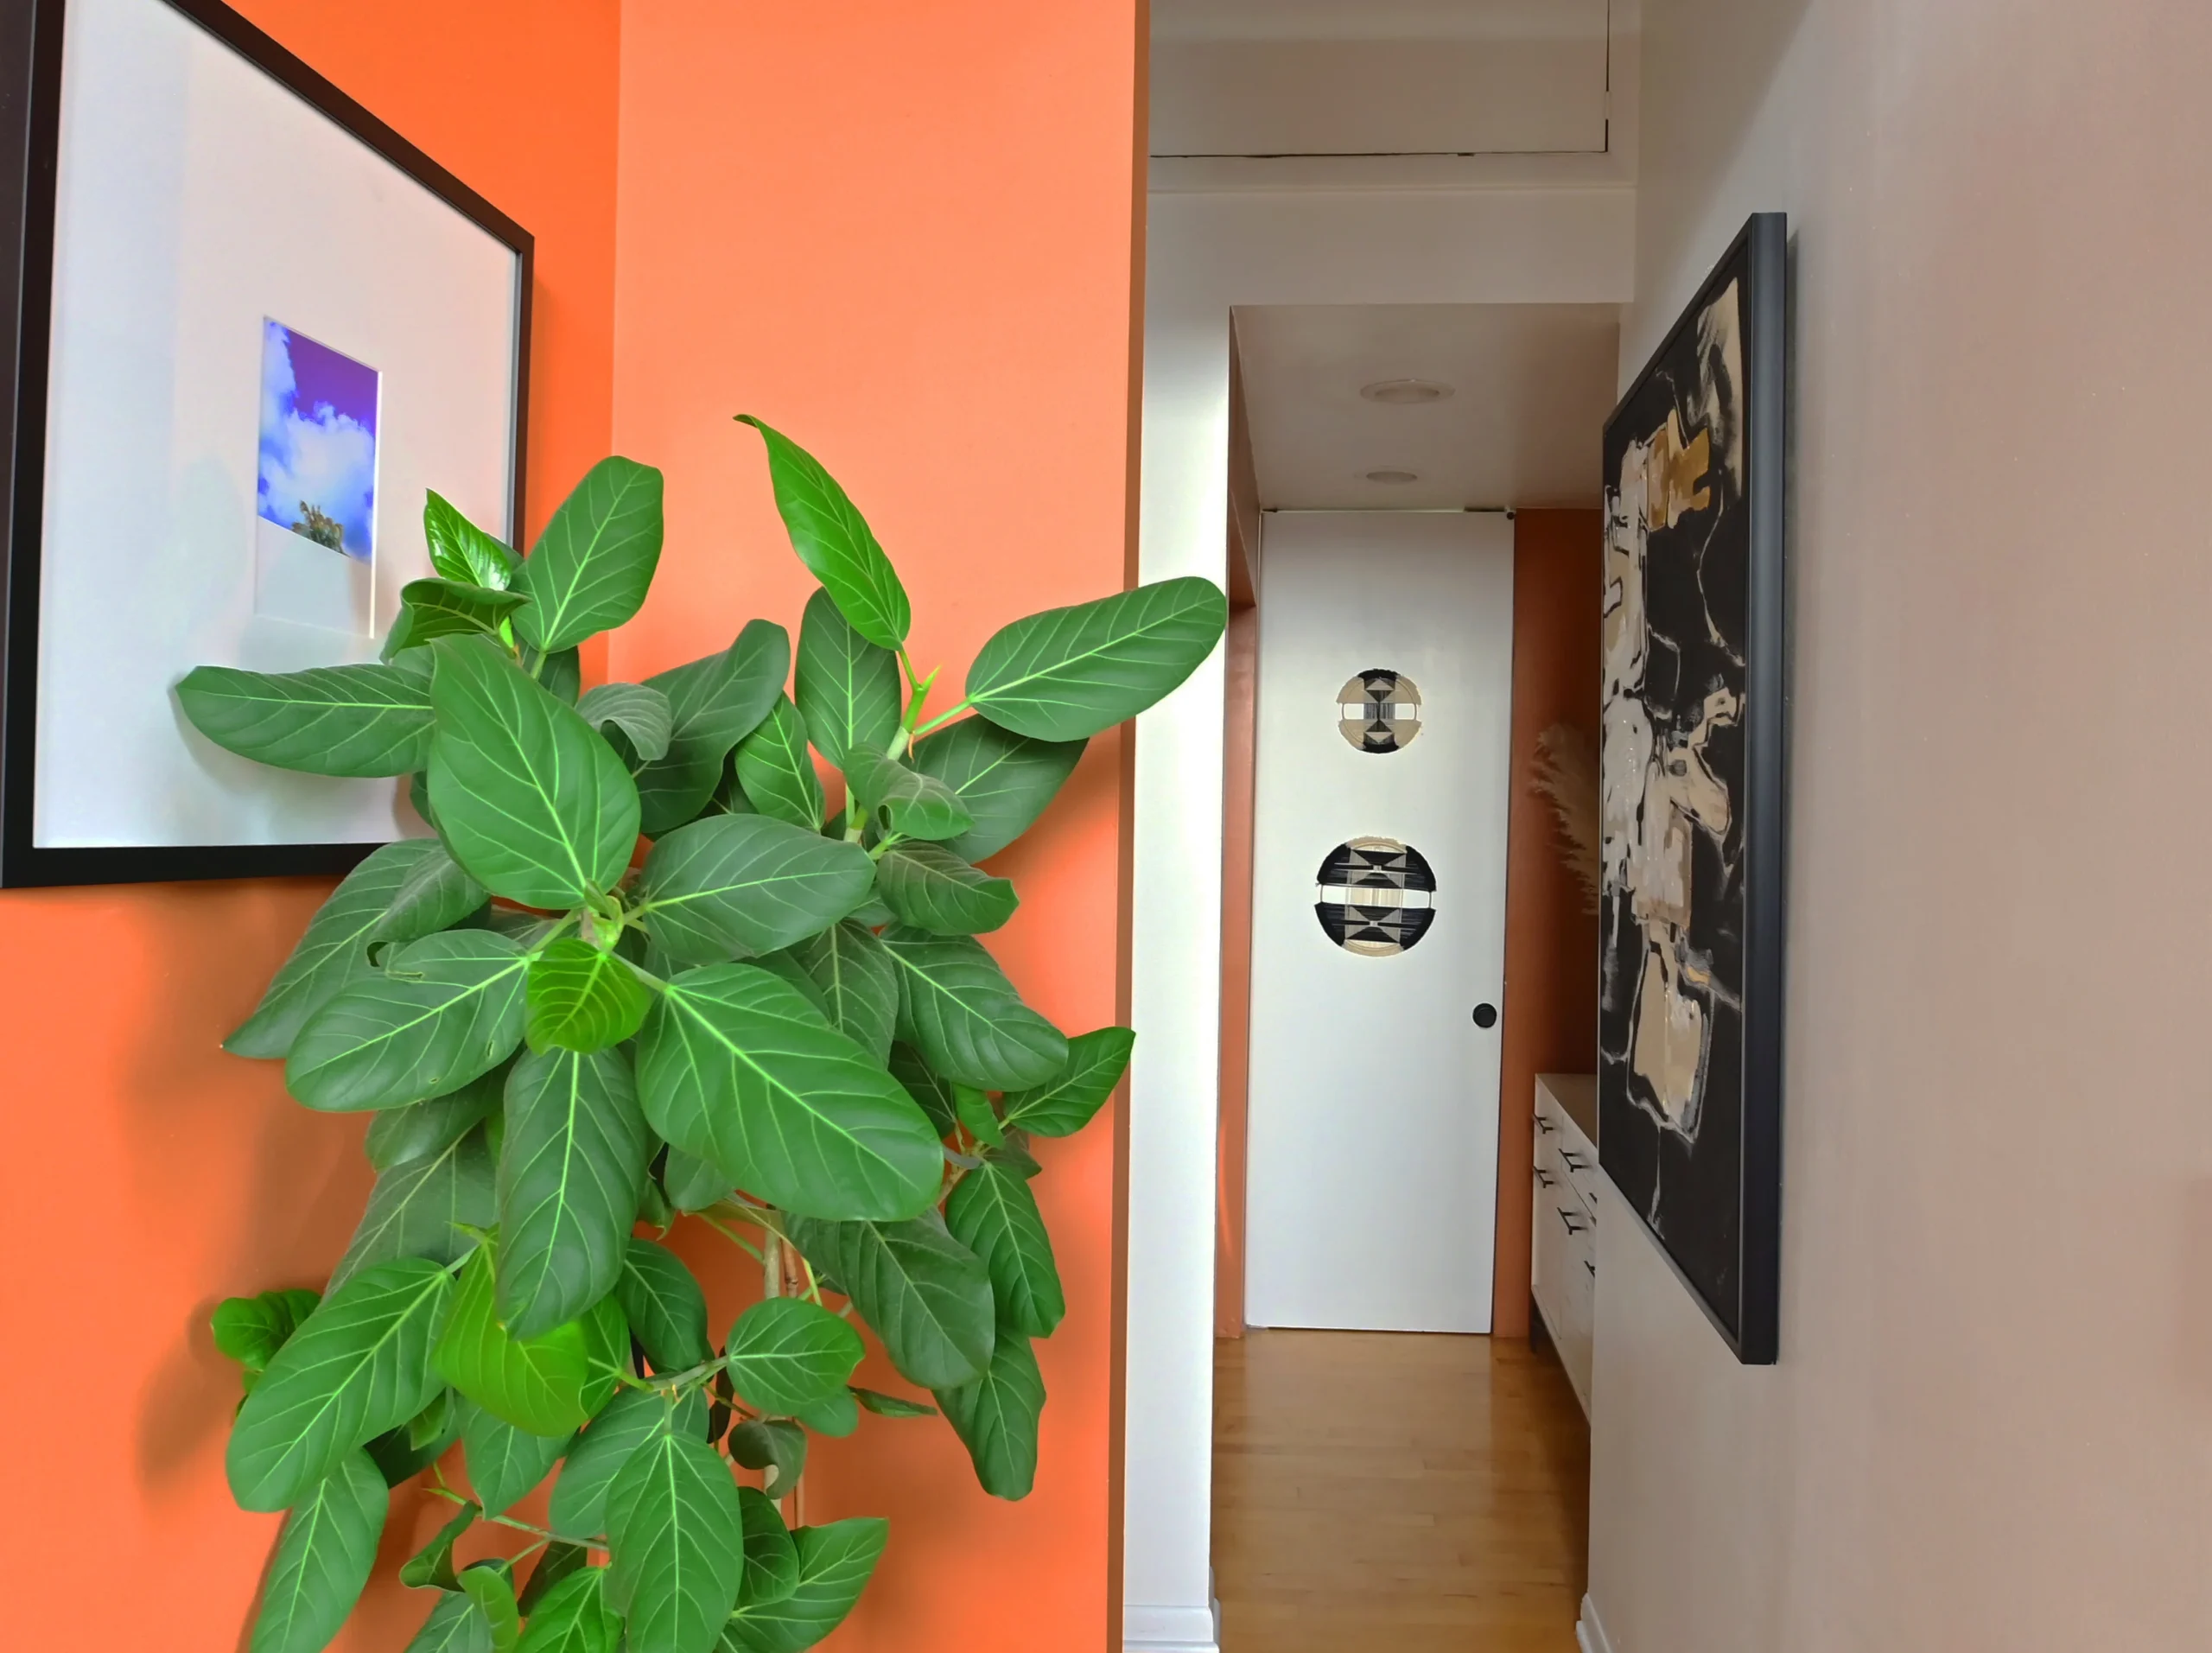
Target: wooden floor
[(1389, 1491)]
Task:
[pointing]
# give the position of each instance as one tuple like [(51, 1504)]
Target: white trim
[(1172, 1630), (1590, 1629)]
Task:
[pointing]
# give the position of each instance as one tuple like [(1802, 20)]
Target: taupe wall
[(1992, 1426)]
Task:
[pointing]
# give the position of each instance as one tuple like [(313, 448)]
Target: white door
[(1379, 919)]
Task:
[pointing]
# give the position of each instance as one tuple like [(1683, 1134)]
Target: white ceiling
[(1532, 384)]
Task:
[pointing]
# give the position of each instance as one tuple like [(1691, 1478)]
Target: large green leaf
[(775, 1445), (639, 710), (573, 1618), (456, 1625), (324, 1554), (932, 1091), (995, 1416), (1064, 1104), (732, 885), (251, 1330), (666, 1310), (834, 1564), (590, 569), (904, 800), (561, 674), (418, 1206), (1068, 673), (957, 1009), (490, 1585), (847, 688), (360, 1365), (835, 542), (423, 1128), (578, 1509), (777, 771), (714, 703), (571, 1168), (403, 1453), (932, 889), (694, 1183), (771, 1557), (549, 1384), (436, 894), (360, 720), (559, 1560), (460, 551), (856, 981), (580, 998), (442, 1011), (736, 1067), (431, 1566), (927, 1295), (1005, 780), (837, 1414), (993, 1214), (503, 1462), (786, 1354), (433, 608), (676, 1538), (333, 953), (528, 796)]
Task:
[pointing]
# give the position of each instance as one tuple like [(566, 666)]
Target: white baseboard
[(1171, 1629), (1590, 1629)]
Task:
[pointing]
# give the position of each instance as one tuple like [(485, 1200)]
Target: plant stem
[(544, 1535), (941, 720), (737, 1240)]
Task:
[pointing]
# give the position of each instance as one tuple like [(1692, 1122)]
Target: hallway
[(1375, 1488)]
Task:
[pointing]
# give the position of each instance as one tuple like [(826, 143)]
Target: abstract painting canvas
[(1693, 791)]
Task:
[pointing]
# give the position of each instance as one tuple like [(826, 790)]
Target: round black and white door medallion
[(1374, 896), (1379, 711)]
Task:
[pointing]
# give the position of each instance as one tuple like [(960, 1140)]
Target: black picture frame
[(31, 53), (1702, 1172)]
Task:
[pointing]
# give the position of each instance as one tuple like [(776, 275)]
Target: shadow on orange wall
[(143, 1174)]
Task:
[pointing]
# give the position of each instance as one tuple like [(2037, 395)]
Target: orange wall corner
[(1549, 1023)]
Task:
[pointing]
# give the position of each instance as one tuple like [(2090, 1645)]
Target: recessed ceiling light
[(1405, 392), (1393, 476)]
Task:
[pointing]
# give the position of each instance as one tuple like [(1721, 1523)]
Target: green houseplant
[(641, 971)]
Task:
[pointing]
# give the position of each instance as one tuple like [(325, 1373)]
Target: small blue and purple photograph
[(318, 473)]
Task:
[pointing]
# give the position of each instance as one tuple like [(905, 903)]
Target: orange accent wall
[(1550, 1017), (143, 1174), (902, 235)]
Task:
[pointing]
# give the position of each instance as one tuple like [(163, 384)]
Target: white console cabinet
[(1564, 1219)]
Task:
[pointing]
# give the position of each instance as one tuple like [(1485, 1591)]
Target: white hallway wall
[(1991, 1423), (1207, 252)]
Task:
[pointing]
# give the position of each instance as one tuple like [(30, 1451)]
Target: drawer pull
[(1572, 1161), (1545, 1125), (1592, 1266), (1575, 1221), (1545, 1178)]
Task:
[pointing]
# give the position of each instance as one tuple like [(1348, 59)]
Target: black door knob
[(1486, 1015)]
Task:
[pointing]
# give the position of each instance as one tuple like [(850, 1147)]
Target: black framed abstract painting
[(244, 327), (1692, 792)]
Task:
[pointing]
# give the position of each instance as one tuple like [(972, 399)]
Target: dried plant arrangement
[(1567, 774)]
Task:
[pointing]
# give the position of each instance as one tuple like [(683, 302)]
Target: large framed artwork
[(245, 325), (1695, 714)]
